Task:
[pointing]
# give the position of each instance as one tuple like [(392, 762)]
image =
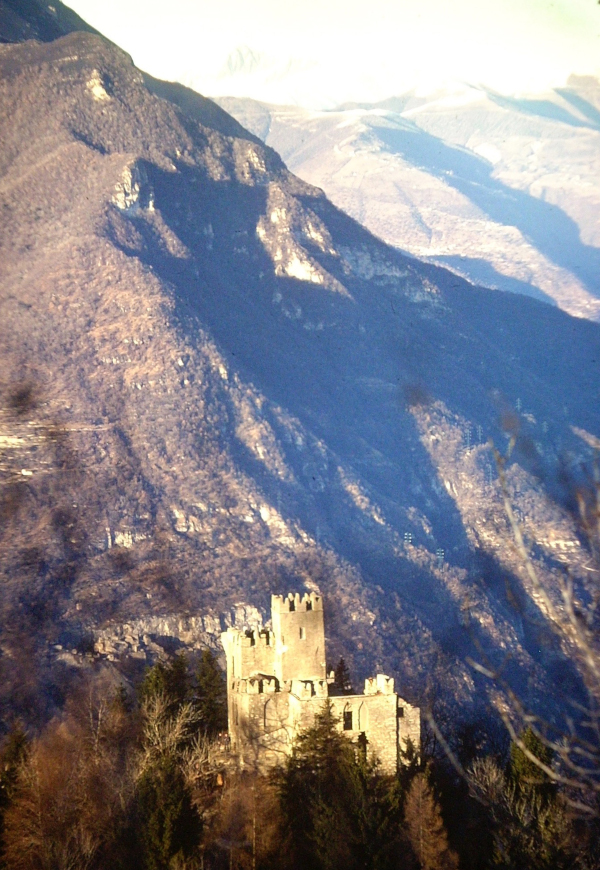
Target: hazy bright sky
[(321, 52)]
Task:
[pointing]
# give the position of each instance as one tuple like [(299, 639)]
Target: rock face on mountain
[(216, 386), (503, 191)]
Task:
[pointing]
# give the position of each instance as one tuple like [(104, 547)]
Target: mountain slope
[(216, 385), (31, 19), (503, 191)]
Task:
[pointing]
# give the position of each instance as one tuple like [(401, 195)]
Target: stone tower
[(299, 632), (277, 684)]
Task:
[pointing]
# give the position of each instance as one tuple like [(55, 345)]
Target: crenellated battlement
[(304, 689), (260, 684), (256, 637), (379, 685), (293, 602), (250, 636)]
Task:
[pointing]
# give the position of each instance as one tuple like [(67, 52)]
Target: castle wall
[(409, 727), (264, 730), (249, 652), (264, 722), (263, 727), (375, 716)]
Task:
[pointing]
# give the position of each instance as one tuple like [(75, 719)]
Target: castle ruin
[(277, 683)]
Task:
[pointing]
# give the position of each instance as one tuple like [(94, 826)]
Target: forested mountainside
[(216, 385)]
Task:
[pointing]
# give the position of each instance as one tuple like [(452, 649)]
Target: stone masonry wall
[(377, 717), (409, 727), (301, 633)]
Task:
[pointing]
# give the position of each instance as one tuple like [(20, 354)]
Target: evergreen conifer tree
[(524, 772), (337, 811), (342, 677), (12, 755), (171, 680), (168, 827), (211, 695)]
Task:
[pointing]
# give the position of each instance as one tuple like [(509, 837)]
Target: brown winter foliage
[(73, 790), (425, 828)]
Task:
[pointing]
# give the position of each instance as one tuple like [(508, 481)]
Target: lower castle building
[(277, 684)]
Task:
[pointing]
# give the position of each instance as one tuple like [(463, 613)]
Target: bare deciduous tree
[(571, 616), (71, 795)]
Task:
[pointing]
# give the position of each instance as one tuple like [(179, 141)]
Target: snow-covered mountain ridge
[(504, 191)]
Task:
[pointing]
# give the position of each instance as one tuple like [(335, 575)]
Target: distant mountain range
[(217, 385), (503, 191)]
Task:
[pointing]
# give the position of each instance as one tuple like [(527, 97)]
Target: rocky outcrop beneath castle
[(153, 638)]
